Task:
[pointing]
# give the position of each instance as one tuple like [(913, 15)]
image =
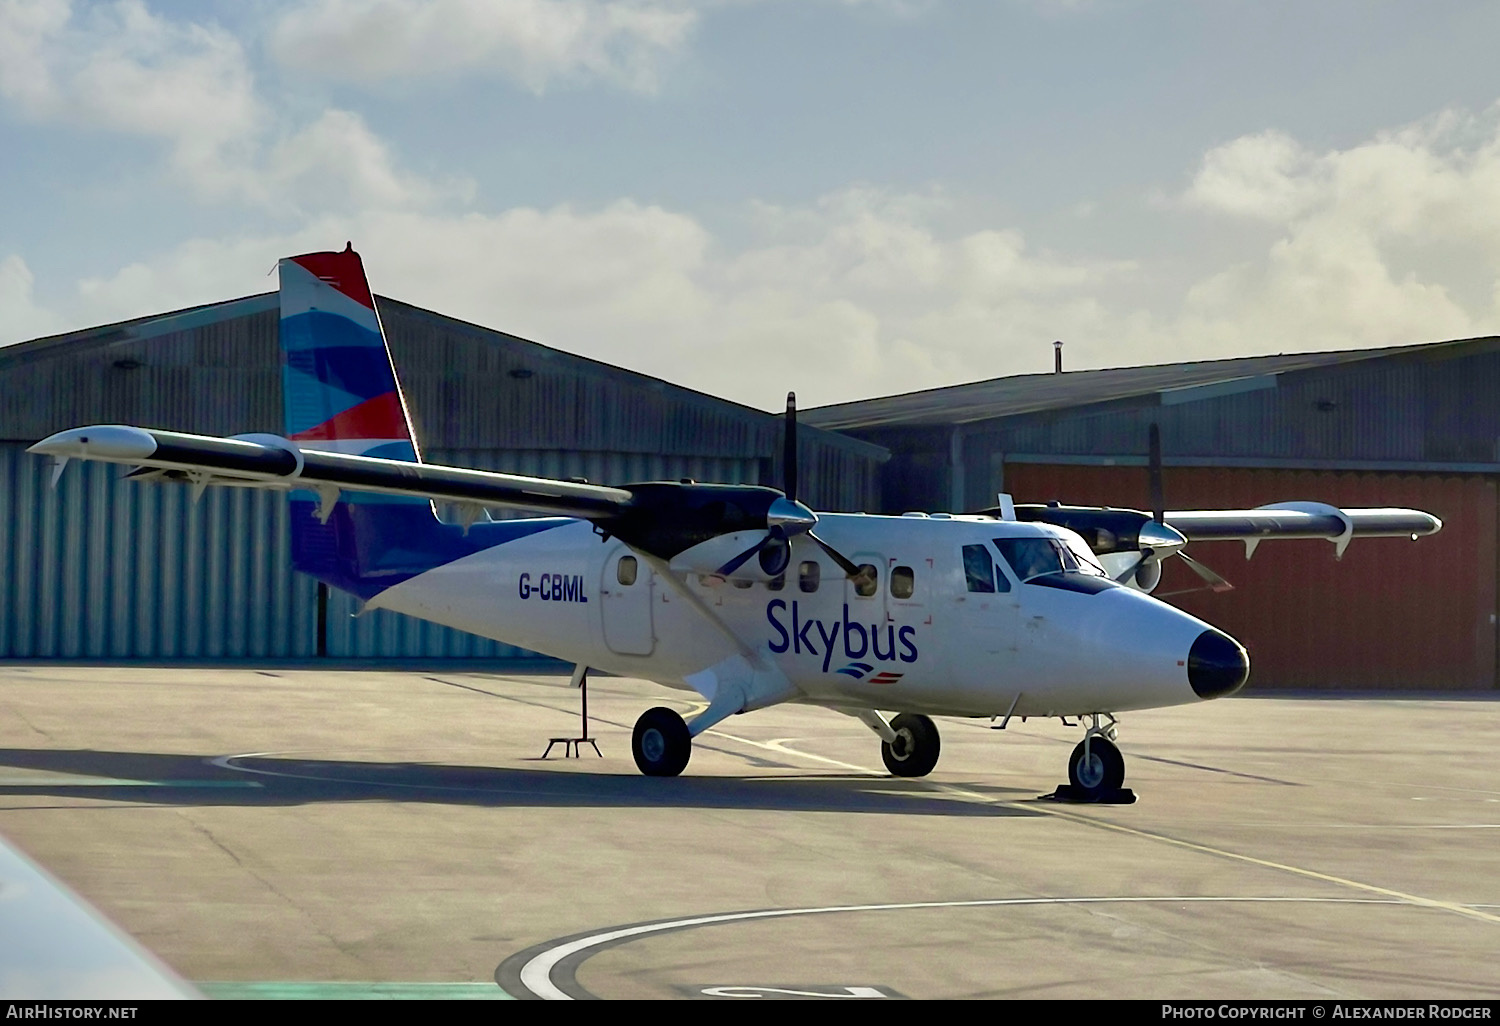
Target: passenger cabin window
[(903, 582), (776, 583), (626, 570), (808, 575), (867, 581), (979, 571), (742, 583)]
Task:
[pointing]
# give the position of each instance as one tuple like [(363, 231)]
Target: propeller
[(786, 518), (1215, 582), (1153, 467), (1158, 540)]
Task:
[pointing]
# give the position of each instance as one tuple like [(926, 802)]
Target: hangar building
[(103, 568), (1415, 426)]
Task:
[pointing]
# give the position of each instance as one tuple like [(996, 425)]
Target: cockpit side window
[(979, 570)]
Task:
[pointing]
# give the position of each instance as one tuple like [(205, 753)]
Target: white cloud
[(122, 69), (1264, 176), (1395, 239), (859, 292), (20, 316), (850, 296), (336, 162), (534, 42)]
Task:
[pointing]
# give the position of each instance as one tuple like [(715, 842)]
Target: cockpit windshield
[(1034, 557)]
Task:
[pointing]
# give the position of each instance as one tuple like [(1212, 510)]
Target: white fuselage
[(936, 646)]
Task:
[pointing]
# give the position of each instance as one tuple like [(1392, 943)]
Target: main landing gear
[(909, 743), (1096, 769), (913, 752), (661, 743)]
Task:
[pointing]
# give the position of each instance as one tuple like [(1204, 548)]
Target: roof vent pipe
[(1057, 357)]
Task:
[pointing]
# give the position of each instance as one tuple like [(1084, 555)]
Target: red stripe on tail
[(381, 417), (343, 271)]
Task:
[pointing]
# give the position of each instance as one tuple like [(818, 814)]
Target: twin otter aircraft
[(739, 593)]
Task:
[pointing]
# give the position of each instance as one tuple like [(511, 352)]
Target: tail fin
[(340, 394), (340, 388)]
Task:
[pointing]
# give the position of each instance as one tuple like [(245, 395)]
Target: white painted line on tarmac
[(536, 974), (779, 745), (65, 780), (228, 762)]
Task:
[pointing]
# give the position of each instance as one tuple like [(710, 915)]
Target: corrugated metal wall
[(213, 371), (104, 568), (1390, 614), (1396, 410)]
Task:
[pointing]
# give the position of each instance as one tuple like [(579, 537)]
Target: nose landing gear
[(1096, 769)]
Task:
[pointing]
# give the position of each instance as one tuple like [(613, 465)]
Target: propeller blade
[(850, 568), (1217, 583), (744, 557), (1153, 464), (789, 449)]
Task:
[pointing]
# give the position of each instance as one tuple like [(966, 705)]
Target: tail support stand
[(573, 746)]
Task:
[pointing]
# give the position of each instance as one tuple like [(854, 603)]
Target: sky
[(847, 198)]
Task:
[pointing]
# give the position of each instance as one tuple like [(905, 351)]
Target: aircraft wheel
[(661, 743), (1102, 773), (915, 750)]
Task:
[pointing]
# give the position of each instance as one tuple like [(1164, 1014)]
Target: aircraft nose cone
[(1217, 665)]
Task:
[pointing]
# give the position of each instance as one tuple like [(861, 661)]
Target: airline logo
[(885, 643), (859, 671)]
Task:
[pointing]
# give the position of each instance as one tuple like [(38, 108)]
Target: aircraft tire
[(915, 752), (661, 743), (1103, 774)]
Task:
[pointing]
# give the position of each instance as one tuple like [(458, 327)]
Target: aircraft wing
[(663, 518), (1301, 520), (1131, 544), (268, 461)]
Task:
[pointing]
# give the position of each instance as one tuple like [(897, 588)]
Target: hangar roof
[(1032, 393), (215, 369)]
